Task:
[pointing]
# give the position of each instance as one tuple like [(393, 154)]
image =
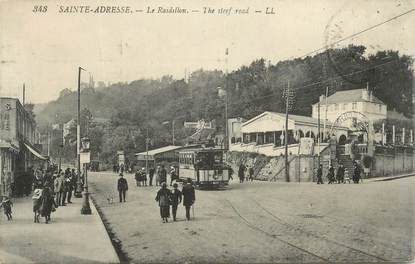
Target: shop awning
[(34, 152)]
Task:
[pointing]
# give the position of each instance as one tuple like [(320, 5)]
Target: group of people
[(341, 175), (166, 198), (245, 177), (51, 190), (160, 173)]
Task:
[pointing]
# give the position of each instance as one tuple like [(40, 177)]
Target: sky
[(45, 49)]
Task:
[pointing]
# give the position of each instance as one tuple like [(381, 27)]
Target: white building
[(359, 100), (265, 133)]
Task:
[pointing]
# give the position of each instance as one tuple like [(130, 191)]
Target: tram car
[(204, 166)]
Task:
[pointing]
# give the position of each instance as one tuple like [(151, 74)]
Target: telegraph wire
[(358, 33)]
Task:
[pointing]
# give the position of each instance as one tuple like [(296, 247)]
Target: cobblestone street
[(266, 222)]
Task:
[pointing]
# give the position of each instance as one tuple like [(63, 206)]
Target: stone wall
[(391, 161)]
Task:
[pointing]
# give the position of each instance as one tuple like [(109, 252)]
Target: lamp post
[(78, 189), (86, 208), (172, 124), (223, 93)]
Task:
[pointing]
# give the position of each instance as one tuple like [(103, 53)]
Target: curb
[(104, 230), (394, 177)]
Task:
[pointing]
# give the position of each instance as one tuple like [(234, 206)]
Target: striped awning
[(34, 152)]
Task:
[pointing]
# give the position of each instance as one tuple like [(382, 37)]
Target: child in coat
[(7, 206)]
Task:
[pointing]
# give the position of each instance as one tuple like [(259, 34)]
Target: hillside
[(134, 107)]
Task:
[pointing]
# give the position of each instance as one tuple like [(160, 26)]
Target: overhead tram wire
[(296, 88), (357, 33)]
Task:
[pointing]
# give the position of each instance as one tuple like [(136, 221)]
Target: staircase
[(347, 163)]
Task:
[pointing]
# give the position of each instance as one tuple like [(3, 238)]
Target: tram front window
[(208, 159)]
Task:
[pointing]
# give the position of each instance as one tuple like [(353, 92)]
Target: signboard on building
[(85, 157), (306, 146), (121, 157)]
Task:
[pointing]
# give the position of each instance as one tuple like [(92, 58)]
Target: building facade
[(265, 133), (341, 102), (18, 137)]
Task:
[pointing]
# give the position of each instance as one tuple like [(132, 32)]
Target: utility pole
[(147, 142), (48, 140), (24, 94), (226, 102), (287, 173), (78, 192), (325, 115), (172, 123), (319, 133)]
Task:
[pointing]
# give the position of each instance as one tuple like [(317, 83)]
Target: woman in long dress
[(48, 203), (163, 198)]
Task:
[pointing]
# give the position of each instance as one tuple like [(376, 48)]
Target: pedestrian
[(172, 175), (137, 177), (64, 189), (356, 173), (151, 175), (7, 207), (251, 173), (143, 177), (57, 188), (230, 173), (330, 175), (176, 199), (163, 198), (122, 186), (320, 174), (69, 183), (158, 175), (163, 175), (241, 173), (48, 204), (189, 197), (340, 174), (37, 181), (122, 168)]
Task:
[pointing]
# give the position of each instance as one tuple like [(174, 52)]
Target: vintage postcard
[(267, 131)]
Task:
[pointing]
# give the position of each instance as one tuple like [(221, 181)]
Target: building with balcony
[(18, 138)]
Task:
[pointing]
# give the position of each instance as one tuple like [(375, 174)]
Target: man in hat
[(176, 199), (122, 187), (189, 197), (163, 198)]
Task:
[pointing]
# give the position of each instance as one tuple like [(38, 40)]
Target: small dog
[(110, 199)]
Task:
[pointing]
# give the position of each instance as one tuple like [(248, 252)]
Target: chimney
[(365, 94)]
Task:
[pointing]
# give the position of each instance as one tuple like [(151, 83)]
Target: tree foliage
[(134, 107)]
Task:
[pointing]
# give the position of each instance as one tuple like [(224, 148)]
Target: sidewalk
[(391, 177), (69, 238)]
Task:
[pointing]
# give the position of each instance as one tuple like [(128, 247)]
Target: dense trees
[(134, 107)]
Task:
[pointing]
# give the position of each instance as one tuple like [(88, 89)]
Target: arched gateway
[(356, 122)]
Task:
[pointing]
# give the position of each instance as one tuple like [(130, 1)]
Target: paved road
[(267, 222)]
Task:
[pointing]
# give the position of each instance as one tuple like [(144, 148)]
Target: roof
[(159, 150), (296, 118), (347, 96)]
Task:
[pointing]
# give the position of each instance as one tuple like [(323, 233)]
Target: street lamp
[(223, 93), (172, 124), (85, 153), (78, 189)]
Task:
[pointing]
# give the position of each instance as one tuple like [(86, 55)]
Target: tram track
[(299, 229), (258, 229)]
